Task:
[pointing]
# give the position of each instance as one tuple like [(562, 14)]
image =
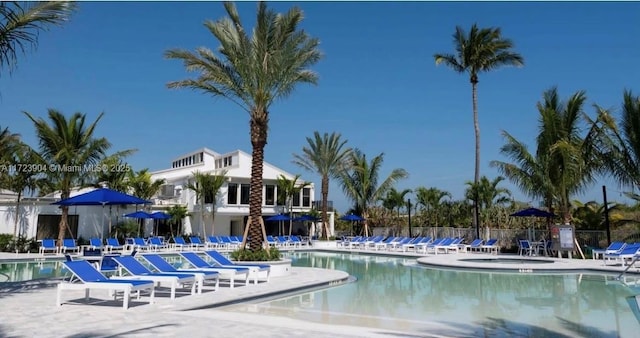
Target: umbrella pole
[(110, 220)]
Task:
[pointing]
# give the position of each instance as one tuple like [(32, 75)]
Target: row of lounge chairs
[(618, 253), (151, 244), (424, 245), (140, 278)]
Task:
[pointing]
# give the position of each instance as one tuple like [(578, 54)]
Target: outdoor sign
[(566, 238), (562, 239)]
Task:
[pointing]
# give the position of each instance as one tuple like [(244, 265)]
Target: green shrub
[(8, 243), (5, 240), (272, 254)]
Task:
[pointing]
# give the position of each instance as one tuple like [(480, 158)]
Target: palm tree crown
[(327, 155), (21, 23), (253, 72)]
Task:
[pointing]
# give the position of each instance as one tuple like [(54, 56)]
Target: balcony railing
[(318, 205)]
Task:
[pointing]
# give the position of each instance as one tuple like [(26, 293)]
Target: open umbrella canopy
[(139, 214), (352, 217), (306, 218), (160, 215), (532, 212), (279, 217), (102, 196)]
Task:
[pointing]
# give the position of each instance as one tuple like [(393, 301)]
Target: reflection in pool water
[(392, 293), (22, 271)]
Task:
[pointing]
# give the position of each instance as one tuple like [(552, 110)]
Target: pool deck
[(28, 308)]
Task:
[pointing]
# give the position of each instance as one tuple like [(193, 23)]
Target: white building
[(232, 204), (38, 218)]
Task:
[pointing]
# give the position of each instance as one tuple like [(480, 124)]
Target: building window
[(269, 194), (232, 193), (296, 199), (226, 163), (244, 194), (201, 157), (306, 197), (230, 162)]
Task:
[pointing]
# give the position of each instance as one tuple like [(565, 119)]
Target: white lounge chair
[(89, 278)]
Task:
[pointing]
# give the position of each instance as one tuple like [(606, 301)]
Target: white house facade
[(38, 217), (232, 203)]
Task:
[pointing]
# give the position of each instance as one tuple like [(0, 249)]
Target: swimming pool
[(29, 270), (393, 293)]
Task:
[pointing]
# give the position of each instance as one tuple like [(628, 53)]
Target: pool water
[(396, 294), (22, 271)]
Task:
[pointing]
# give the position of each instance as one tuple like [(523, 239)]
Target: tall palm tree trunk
[(62, 227), (258, 142), (476, 177), (15, 224), (325, 198)]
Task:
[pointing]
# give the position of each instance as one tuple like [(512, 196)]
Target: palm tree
[(621, 141), (591, 215), (20, 181), (396, 199), (20, 25), (207, 188), (482, 50), (198, 188), (7, 141), (253, 72), (177, 213), (489, 194), (67, 143), (116, 172), (213, 186), (142, 186), (286, 190), (564, 163), (360, 182), (431, 200), (327, 156)]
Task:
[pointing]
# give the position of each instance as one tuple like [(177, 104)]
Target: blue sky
[(379, 86)]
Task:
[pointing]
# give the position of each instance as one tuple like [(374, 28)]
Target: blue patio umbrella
[(139, 214), (160, 215), (306, 218), (352, 218), (278, 217), (102, 196), (532, 212)]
